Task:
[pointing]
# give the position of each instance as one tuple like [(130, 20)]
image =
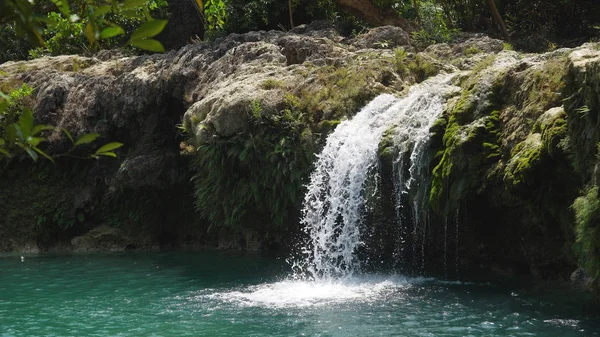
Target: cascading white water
[(334, 203), (412, 136)]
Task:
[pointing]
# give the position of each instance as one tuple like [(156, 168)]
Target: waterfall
[(333, 208)]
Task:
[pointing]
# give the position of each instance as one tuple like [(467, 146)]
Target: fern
[(254, 179), (587, 245)]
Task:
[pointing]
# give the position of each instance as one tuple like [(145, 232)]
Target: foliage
[(14, 47), (399, 61), (214, 13), (254, 178), (339, 92), (95, 21), (61, 37), (271, 84), (20, 134), (434, 27), (422, 68), (249, 15), (472, 50), (587, 218)]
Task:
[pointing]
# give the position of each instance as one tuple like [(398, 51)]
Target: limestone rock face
[(105, 238), (518, 149), (512, 151), (209, 88)]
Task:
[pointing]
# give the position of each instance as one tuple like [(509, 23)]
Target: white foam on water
[(305, 294)]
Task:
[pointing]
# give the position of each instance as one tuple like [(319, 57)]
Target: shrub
[(434, 26), (14, 47), (587, 219), (254, 178)]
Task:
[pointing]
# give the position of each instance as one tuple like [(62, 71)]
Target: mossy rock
[(524, 160), (468, 151), (554, 130)]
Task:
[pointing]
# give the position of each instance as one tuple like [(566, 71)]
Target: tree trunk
[(416, 6), (447, 13), (373, 15), (498, 19), (291, 17)]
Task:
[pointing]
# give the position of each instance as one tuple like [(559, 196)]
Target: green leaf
[(43, 154), (146, 13), (130, 14), (39, 128), (86, 139), (99, 11), (26, 123), (149, 29), (31, 153), (133, 3), (108, 154), (149, 45), (68, 135), (5, 153), (109, 147), (63, 6), (35, 141), (10, 132), (109, 32)]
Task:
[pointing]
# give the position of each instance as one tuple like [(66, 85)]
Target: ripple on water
[(191, 295)]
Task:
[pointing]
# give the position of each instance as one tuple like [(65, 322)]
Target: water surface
[(218, 294)]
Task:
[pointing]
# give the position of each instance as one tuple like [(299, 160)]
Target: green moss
[(472, 50), (387, 149), (327, 125), (421, 68), (524, 160), (545, 84), (437, 131), (339, 91), (482, 65), (467, 151), (10, 84), (554, 133), (470, 143), (491, 146), (464, 108), (438, 127), (271, 84)]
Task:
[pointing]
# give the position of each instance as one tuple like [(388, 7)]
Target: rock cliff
[(219, 138)]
